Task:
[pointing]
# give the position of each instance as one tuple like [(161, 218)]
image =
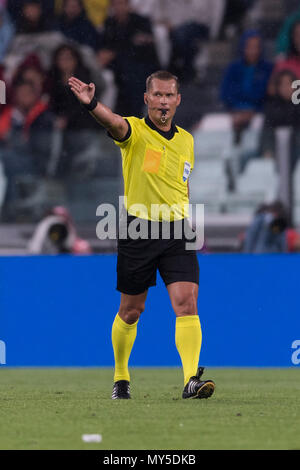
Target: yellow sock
[(123, 337), (188, 339)]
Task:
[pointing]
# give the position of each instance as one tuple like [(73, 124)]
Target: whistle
[(163, 115)]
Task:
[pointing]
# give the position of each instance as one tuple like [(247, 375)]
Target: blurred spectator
[(292, 59), (75, 25), (7, 31), (188, 24), (67, 62), (162, 42), (56, 234), (96, 10), (77, 125), (279, 112), (32, 70), (208, 13), (181, 33), (32, 19), (268, 231), (35, 34), (127, 47), (15, 8), (233, 16), (284, 36), (243, 88), (293, 240), (25, 139)]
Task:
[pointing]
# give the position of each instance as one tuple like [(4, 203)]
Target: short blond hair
[(161, 75)]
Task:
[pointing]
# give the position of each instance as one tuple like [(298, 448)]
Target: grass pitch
[(53, 408)]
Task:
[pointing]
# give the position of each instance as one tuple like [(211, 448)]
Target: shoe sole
[(206, 390), (121, 398)]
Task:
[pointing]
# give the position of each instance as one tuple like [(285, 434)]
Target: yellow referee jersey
[(156, 168)]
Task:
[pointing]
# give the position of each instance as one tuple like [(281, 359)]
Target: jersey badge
[(186, 171)]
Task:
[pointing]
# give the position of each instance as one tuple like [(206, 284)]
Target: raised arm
[(115, 124)]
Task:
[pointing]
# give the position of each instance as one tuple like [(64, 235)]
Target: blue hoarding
[(58, 311)]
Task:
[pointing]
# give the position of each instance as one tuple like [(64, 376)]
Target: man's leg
[(124, 332), (188, 338)]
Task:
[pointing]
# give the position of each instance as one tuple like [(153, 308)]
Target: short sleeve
[(123, 143)]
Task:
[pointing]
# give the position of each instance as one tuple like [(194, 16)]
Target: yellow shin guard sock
[(123, 337), (188, 339)]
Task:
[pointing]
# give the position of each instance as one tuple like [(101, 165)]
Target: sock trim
[(187, 321)]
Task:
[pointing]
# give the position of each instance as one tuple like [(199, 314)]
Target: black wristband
[(91, 106)]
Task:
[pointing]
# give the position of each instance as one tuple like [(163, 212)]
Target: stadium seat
[(256, 185), (259, 178), (83, 197), (213, 145), (211, 136), (208, 184), (216, 122)]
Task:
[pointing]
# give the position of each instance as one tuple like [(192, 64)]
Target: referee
[(157, 158)]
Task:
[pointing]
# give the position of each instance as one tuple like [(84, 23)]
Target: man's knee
[(185, 305), (131, 313)]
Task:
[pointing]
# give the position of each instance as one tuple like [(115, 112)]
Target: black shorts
[(138, 261)]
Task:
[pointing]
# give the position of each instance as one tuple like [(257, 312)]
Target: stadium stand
[(230, 192)]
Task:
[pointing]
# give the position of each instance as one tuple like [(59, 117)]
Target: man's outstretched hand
[(117, 126), (84, 92)]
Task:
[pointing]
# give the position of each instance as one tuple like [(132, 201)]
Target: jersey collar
[(167, 135)]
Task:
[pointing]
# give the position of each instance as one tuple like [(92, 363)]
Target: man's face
[(66, 61), (34, 76), (253, 50), (120, 7), (25, 97), (32, 12), (162, 95), (72, 8)]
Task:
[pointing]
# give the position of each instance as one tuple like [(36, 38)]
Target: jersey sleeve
[(129, 137)]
